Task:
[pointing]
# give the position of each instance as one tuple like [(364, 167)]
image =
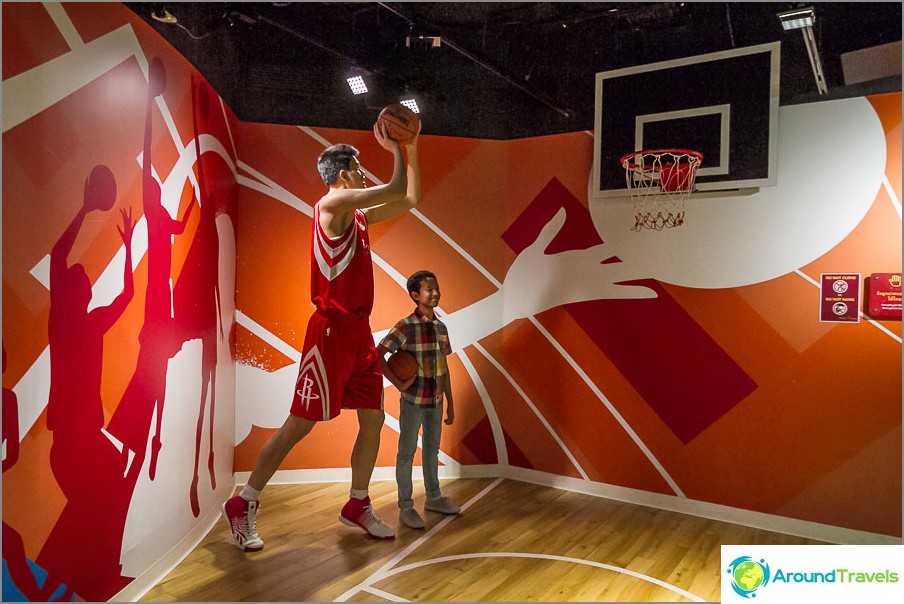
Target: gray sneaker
[(410, 518), (441, 505)]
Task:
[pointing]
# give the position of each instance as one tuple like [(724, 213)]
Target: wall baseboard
[(711, 511), (381, 473)]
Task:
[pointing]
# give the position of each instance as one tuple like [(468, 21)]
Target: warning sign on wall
[(840, 298)]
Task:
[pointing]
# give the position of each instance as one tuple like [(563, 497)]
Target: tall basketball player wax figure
[(339, 365)]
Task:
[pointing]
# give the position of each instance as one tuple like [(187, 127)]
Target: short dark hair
[(414, 281), (332, 160)]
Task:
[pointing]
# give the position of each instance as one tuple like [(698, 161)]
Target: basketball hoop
[(660, 182)]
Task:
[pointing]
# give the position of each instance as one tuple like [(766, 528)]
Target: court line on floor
[(609, 567), (381, 572), (389, 569), (384, 594)]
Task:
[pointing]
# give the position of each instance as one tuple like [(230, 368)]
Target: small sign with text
[(840, 300)]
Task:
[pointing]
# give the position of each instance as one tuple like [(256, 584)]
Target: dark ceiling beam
[(510, 80), (308, 39), (351, 61)]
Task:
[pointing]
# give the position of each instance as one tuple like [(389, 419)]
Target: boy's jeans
[(411, 418)]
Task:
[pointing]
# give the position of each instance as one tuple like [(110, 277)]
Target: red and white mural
[(156, 290), (119, 208)]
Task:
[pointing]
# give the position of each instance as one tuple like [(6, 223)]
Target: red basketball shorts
[(339, 369)]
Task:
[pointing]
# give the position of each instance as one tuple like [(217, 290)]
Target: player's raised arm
[(413, 193), (349, 192)]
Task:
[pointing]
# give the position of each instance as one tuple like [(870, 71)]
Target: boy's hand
[(450, 416), (403, 386)]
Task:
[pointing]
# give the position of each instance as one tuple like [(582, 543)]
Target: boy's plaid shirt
[(428, 341)]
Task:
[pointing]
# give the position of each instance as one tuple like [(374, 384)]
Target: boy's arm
[(450, 404), (402, 386)]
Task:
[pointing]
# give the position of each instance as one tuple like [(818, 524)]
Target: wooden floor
[(513, 542)]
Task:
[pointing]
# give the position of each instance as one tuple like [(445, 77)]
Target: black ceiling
[(503, 69)]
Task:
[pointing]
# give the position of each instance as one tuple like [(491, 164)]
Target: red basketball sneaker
[(358, 512), (242, 518)]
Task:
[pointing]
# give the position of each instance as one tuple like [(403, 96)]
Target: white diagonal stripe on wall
[(64, 24), (29, 93), (618, 416), (533, 408), (267, 336), (892, 195), (454, 245), (501, 452)]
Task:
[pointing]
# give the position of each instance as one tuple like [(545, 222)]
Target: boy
[(339, 366), (421, 401)]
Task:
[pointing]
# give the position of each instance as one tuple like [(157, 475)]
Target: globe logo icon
[(748, 575)]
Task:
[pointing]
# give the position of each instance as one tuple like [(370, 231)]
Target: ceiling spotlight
[(411, 104), (163, 15), (357, 84), (803, 19), (797, 18)]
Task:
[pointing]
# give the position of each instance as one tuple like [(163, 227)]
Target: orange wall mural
[(589, 351), (156, 291)]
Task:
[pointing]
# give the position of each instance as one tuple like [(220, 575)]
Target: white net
[(660, 183)]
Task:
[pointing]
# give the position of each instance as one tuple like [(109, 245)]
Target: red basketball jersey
[(342, 274)]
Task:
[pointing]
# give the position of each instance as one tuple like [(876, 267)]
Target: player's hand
[(403, 386), (381, 133), (450, 416), (412, 144)]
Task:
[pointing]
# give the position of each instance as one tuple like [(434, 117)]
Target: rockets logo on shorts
[(312, 386)]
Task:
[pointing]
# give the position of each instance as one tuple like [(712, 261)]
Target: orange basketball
[(401, 122), (403, 364)]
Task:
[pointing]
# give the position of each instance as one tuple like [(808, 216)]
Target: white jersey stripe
[(331, 272), (346, 249), (325, 241)]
